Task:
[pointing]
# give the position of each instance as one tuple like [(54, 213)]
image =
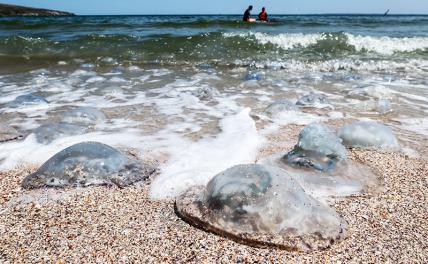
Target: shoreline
[(109, 224)]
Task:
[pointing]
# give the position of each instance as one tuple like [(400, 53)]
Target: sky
[(115, 7)]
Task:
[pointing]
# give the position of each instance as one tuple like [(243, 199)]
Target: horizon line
[(271, 14)]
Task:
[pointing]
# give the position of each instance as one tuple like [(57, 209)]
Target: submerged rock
[(8, 133), (88, 163), (368, 135), (28, 100), (261, 206), (47, 133), (318, 148), (84, 116), (313, 100), (281, 106)]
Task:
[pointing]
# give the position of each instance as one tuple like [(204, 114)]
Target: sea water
[(179, 88)]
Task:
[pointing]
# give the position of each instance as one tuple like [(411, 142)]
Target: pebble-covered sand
[(113, 225)]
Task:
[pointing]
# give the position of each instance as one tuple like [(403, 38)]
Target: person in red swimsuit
[(263, 15)]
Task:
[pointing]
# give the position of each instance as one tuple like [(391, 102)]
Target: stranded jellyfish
[(88, 163), (261, 206)]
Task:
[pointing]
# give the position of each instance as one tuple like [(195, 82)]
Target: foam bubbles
[(198, 162)]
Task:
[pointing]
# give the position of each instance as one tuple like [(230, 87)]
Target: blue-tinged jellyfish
[(261, 206), (88, 163)]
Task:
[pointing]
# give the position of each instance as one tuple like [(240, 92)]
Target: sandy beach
[(113, 225)]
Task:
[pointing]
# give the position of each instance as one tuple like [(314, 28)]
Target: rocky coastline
[(13, 10)]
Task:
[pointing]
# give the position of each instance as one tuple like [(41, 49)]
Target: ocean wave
[(218, 49), (335, 41), (387, 45), (347, 65)]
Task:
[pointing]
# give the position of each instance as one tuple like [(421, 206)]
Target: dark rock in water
[(368, 135), (88, 163), (312, 100), (261, 206), (318, 148), (14, 10), (84, 116), (28, 100), (8, 133), (47, 133), (281, 106), (255, 76)]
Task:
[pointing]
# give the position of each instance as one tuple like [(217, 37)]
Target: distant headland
[(13, 10)]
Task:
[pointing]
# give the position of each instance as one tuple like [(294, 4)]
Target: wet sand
[(112, 225)]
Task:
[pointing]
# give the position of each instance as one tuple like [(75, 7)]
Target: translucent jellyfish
[(111, 90), (47, 133), (382, 106), (206, 67), (28, 100), (255, 76), (88, 163), (353, 77), (321, 138), (368, 135), (318, 148), (84, 116), (281, 106), (341, 179), (8, 133), (205, 92), (261, 206), (313, 100), (376, 92)]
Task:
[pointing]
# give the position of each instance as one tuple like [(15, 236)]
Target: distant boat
[(386, 13)]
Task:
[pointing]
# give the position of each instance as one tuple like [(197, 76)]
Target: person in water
[(247, 14), (263, 15)]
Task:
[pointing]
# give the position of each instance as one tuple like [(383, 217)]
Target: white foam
[(285, 41), (382, 45), (417, 125), (95, 79), (387, 45), (196, 163)]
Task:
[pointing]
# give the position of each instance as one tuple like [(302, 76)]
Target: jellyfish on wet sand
[(88, 163), (261, 206)]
